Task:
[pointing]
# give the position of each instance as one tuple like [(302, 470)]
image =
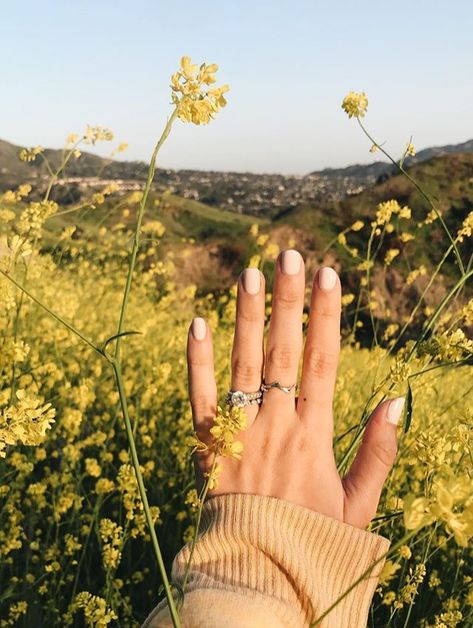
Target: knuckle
[(196, 360), (288, 298), (202, 404), (244, 371), (385, 452), (282, 357), (321, 363), (249, 315), (327, 310)]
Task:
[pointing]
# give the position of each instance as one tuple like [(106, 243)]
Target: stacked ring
[(240, 399)]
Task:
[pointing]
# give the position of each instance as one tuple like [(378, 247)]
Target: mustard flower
[(94, 134), (195, 101), (355, 104), (390, 256), (30, 154), (357, 225)]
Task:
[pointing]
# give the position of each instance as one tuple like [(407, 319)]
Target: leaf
[(408, 420), (114, 337)]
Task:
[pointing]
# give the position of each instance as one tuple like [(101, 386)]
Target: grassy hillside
[(447, 179)]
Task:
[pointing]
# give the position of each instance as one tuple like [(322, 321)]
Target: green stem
[(202, 497), (55, 175), (421, 191), (51, 313), (136, 242), (367, 571), (463, 279), (142, 491)]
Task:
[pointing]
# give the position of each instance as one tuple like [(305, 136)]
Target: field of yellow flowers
[(96, 479)]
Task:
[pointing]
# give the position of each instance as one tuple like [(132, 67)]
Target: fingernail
[(199, 328), (291, 262), (394, 411), (327, 278), (251, 280)]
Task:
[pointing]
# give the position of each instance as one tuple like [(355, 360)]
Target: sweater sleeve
[(265, 562)]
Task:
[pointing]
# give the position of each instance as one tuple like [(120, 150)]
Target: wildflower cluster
[(227, 424), (30, 154), (355, 104), (25, 422), (449, 492), (195, 100)]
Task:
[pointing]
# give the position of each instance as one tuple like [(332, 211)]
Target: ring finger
[(247, 352)]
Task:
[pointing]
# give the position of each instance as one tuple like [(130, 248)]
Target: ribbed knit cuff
[(292, 560)]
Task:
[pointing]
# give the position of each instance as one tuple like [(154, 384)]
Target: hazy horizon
[(289, 66), (123, 157)]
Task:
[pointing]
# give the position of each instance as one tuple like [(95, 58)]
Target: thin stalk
[(202, 497), (55, 175), (367, 571), (421, 191), (426, 289), (53, 314), (136, 241), (142, 491)]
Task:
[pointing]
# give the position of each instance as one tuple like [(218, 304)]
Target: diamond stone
[(238, 398)]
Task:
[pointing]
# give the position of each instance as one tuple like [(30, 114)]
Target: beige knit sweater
[(264, 562)]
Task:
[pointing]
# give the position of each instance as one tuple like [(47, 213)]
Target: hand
[(288, 450)]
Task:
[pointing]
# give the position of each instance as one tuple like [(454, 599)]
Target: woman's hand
[(288, 449)]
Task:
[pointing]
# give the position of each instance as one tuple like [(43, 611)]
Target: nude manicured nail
[(394, 412), (327, 278), (291, 262), (251, 280), (199, 328)]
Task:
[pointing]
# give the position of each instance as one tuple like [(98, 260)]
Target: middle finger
[(285, 331)]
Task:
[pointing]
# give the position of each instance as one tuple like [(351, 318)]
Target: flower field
[(94, 405)]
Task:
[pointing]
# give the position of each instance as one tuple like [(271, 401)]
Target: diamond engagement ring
[(240, 399), (287, 389)]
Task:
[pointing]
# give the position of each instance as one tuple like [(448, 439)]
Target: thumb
[(373, 461)]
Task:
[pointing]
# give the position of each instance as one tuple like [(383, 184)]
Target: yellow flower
[(271, 251), (405, 551), (417, 272), (355, 104), (390, 255), (71, 139), (357, 225), (94, 134), (254, 229), (30, 154), (195, 103), (388, 572), (410, 150), (467, 228), (416, 512), (92, 467)]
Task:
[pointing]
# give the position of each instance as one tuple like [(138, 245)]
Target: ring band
[(287, 389), (240, 399)]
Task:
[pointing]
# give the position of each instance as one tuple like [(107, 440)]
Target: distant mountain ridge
[(246, 193)]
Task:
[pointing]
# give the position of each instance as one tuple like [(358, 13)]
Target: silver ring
[(240, 399), (287, 389)]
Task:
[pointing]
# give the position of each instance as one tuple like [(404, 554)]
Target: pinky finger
[(201, 378)]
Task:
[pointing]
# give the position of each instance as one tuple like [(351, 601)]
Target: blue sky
[(289, 63)]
